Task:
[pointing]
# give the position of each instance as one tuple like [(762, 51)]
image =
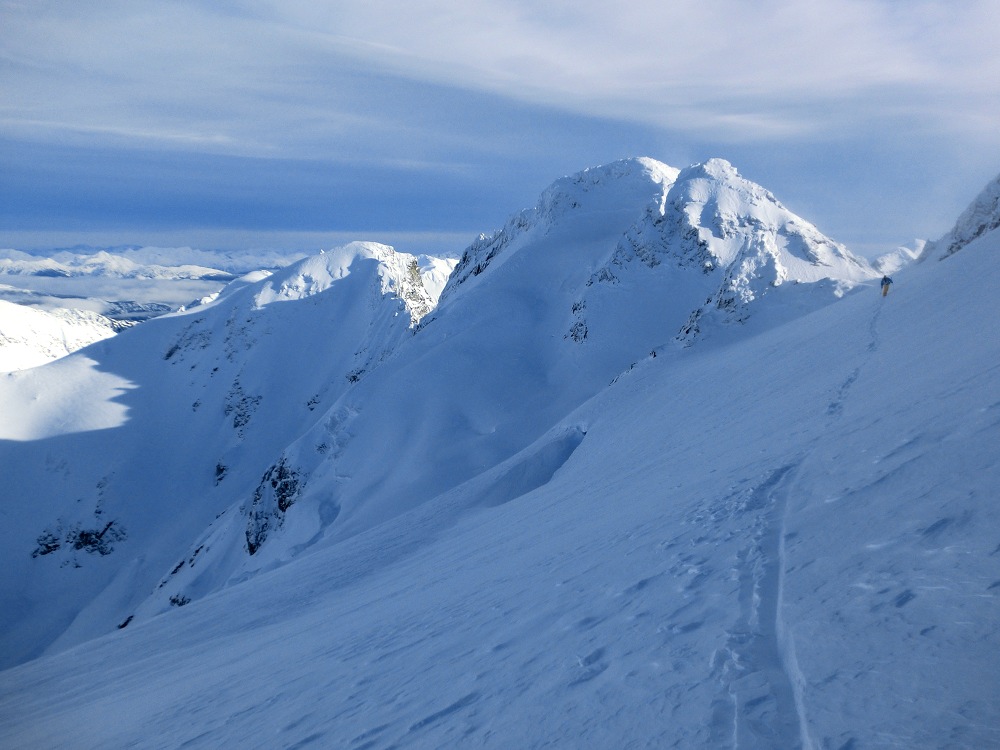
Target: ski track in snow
[(758, 705), (761, 704)]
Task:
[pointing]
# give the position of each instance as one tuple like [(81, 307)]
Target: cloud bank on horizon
[(875, 119)]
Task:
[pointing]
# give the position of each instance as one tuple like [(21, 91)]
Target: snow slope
[(133, 446), (30, 337), (521, 528)]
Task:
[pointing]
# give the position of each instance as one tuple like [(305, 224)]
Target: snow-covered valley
[(661, 469)]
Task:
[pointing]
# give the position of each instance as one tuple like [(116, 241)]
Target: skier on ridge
[(886, 281)]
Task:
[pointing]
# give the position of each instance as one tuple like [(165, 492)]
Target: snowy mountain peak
[(626, 187), (627, 184), (706, 218), (731, 224), (979, 219), (399, 273), (714, 168)]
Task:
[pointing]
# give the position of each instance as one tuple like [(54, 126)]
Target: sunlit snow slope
[(522, 529), (30, 337), (117, 457)]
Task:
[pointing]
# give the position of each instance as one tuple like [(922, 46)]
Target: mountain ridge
[(608, 267), (980, 218), (598, 236), (786, 538), (537, 518)]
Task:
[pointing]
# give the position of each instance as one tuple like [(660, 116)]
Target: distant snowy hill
[(102, 263), (659, 469), (137, 263), (30, 337), (126, 284), (899, 258)]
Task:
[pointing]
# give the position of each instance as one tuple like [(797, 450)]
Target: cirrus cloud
[(455, 95)]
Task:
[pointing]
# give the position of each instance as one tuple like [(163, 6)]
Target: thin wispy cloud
[(267, 74), (449, 89)]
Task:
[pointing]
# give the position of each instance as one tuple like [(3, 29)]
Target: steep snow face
[(625, 186), (979, 219), (30, 337), (729, 224), (133, 450)]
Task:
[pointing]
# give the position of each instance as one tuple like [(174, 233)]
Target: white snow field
[(30, 337), (511, 525)]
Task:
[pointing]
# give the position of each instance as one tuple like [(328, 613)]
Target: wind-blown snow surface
[(777, 539)]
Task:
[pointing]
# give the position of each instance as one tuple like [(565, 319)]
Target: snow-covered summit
[(730, 213), (399, 274), (706, 217), (738, 228), (626, 187), (979, 219), (622, 183)]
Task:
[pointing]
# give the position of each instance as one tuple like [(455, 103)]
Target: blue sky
[(421, 124)]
